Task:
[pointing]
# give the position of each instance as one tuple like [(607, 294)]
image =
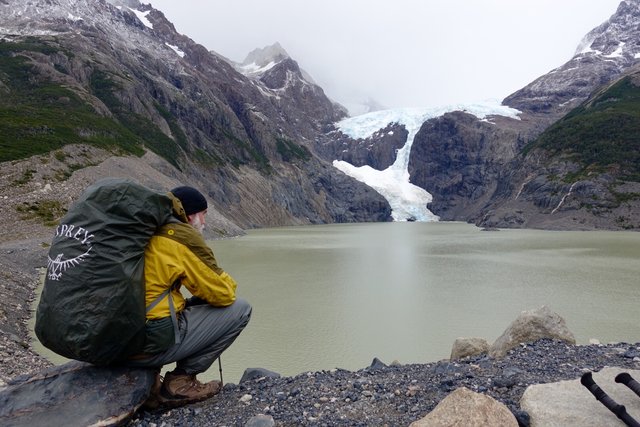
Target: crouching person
[(192, 333)]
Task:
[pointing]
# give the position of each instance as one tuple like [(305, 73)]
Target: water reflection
[(339, 295)]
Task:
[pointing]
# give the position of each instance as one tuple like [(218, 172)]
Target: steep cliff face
[(118, 76), (378, 150), (583, 172), (458, 158)]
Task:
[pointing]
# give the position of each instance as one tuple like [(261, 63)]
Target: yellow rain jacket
[(178, 251)]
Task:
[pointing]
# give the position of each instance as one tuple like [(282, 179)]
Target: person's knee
[(243, 307)]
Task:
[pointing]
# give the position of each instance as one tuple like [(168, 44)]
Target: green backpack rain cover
[(92, 305)]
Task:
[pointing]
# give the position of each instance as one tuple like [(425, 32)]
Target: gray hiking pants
[(205, 332)]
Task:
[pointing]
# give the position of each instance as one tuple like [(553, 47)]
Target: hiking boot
[(181, 389)]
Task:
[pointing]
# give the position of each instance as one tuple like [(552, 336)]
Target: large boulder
[(465, 347), (569, 403), (530, 326), (464, 407)]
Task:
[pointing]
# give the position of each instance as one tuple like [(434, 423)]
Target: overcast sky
[(402, 53)]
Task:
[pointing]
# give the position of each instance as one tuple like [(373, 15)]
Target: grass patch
[(624, 197), (27, 175), (206, 159), (47, 211), (291, 151)]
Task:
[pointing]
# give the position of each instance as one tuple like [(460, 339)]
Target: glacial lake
[(336, 296)]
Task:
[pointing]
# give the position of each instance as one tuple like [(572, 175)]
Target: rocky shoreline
[(395, 395), (377, 395)]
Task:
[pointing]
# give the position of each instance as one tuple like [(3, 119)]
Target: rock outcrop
[(378, 151), (464, 407), (529, 326), (458, 158), (465, 347), (568, 403)]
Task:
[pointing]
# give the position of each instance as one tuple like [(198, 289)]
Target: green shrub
[(39, 115), (603, 132)]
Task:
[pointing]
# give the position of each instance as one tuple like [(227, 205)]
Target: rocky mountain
[(378, 151), (511, 174), (583, 172), (602, 55), (116, 76), (273, 68)]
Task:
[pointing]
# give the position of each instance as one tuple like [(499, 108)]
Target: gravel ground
[(394, 395)]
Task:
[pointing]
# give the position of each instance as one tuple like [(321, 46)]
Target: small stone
[(246, 398), (631, 353), (377, 364), (412, 391), (261, 421), (257, 373)]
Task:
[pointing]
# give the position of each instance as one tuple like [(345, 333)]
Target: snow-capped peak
[(261, 60), (617, 37), (262, 57)]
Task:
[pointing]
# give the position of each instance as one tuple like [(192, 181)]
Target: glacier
[(408, 202)]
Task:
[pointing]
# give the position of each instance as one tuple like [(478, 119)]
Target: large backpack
[(92, 306)]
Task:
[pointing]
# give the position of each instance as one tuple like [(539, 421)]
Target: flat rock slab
[(75, 394), (569, 403)]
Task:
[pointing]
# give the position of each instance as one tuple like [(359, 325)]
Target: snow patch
[(176, 49), (407, 201), (254, 68), (73, 18), (585, 45), (617, 53), (142, 16)]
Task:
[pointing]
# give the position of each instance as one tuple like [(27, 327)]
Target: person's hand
[(194, 301)]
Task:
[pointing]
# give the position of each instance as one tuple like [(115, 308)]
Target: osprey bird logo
[(57, 266)]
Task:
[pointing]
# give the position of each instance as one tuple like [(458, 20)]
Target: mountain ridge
[(135, 84), (260, 144)]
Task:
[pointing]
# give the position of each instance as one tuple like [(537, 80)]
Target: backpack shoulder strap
[(172, 309)]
